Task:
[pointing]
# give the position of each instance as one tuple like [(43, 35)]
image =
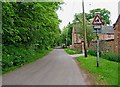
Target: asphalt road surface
[(57, 68)]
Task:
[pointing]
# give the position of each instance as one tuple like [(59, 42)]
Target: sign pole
[(97, 22), (97, 25), (98, 56)]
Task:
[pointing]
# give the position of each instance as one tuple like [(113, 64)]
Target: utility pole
[(84, 27)]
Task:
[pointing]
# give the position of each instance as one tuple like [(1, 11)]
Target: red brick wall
[(106, 36), (105, 46), (78, 46), (117, 37), (114, 45), (111, 45), (76, 41)]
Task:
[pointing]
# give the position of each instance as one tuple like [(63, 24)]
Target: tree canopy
[(78, 20), (104, 15), (30, 23), (66, 35), (30, 30)]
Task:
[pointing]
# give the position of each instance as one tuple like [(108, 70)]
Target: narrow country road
[(57, 68)]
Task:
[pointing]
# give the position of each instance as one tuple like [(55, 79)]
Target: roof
[(107, 30), (116, 21)]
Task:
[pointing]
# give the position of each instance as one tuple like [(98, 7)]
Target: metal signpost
[(97, 27)]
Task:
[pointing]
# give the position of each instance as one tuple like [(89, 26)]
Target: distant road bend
[(57, 68)]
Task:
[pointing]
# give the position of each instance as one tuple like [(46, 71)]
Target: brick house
[(109, 38), (77, 41), (107, 33), (117, 35), (106, 38)]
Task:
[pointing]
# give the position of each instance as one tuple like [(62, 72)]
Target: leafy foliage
[(18, 56), (92, 52), (28, 27), (69, 37), (111, 56), (104, 15), (66, 35), (72, 51), (30, 23), (79, 22)]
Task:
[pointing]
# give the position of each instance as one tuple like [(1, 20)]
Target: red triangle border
[(93, 23)]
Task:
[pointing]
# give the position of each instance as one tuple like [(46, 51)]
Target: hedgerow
[(29, 28)]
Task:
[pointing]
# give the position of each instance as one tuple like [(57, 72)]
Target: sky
[(70, 7)]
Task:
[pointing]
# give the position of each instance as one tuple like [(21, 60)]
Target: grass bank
[(106, 74), (72, 51), (15, 57)]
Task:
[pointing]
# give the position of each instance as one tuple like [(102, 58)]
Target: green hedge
[(109, 56), (92, 52), (72, 51), (17, 56)]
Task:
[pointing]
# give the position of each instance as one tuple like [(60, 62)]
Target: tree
[(28, 28), (79, 22), (67, 31), (69, 36), (104, 15), (66, 35), (30, 23)]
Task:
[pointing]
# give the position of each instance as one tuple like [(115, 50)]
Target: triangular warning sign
[(97, 20)]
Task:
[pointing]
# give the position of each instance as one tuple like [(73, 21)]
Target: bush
[(17, 56), (111, 56), (92, 52), (72, 51)]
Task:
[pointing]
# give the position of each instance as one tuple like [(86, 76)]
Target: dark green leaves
[(28, 27), (30, 23)]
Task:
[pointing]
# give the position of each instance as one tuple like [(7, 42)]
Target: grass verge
[(106, 74), (72, 51)]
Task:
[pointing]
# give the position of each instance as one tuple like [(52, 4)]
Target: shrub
[(72, 51), (92, 52), (17, 56), (13, 56), (111, 56)]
